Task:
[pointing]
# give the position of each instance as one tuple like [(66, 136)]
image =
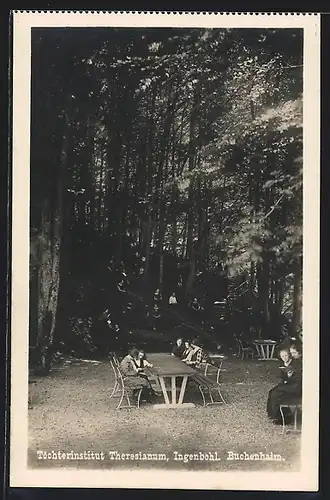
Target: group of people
[(189, 352), (290, 386), (134, 367)]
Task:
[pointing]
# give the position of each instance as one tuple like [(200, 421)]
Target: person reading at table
[(289, 388), (296, 376), (179, 348)]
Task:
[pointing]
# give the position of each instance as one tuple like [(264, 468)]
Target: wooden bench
[(295, 407)]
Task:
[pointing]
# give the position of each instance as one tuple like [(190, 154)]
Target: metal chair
[(115, 358), (116, 386), (209, 366), (244, 350), (123, 389), (295, 407)]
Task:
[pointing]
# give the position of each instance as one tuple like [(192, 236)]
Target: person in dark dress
[(157, 297), (155, 317), (289, 388), (179, 348)]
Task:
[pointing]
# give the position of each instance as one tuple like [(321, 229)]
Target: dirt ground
[(72, 411)]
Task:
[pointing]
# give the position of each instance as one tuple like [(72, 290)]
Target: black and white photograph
[(165, 246)]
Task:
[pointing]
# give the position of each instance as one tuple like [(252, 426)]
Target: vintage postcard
[(165, 249)]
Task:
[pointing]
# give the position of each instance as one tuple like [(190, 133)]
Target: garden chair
[(124, 390), (209, 366), (115, 358), (294, 407), (244, 350), (115, 368)]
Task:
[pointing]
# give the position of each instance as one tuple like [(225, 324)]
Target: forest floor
[(72, 412)]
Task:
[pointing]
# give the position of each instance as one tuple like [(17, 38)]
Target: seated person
[(187, 349), (296, 377), (195, 305), (157, 296), (141, 361), (172, 301), (155, 312), (132, 373), (295, 351), (155, 318), (289, 388), (195, 355), (179, 348)]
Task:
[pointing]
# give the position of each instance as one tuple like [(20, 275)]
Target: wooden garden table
[(167, 367)]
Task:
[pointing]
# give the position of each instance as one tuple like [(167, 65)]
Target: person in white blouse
[(142, 362), (172, 300)]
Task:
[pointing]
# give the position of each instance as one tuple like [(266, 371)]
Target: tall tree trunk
[(49, 269), (50, 240), (191, 164)]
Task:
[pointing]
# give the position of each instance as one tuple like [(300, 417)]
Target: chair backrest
[(219, 367), (114, 358), (114, 368), (118, 374), (219, 372), (240, 343)]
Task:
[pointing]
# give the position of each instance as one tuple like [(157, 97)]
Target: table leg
[(267, 351), (183, 389), (272, 352), (257, 349), (174, 403), (173, 387), (163, 386), (262, 351)]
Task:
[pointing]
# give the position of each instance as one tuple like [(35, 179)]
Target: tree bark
[(49, 269)]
